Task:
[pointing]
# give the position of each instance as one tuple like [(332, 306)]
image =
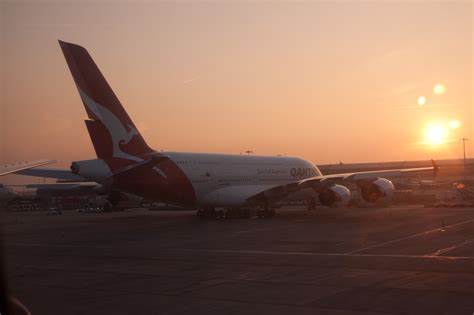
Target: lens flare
[(453, 124), (439, 89), (421, 100)]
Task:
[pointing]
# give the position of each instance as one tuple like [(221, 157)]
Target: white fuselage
[(228, 180)]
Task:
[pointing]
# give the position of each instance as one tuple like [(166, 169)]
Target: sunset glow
[(435, 135), (274, 77)]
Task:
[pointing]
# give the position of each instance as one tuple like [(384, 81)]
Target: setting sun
[(435, 134)]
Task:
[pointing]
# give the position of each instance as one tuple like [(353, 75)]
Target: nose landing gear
[(266, 213)]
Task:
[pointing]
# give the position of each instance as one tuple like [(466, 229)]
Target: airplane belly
[(303, 194), (232, 196)]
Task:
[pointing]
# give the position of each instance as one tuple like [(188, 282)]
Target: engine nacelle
[(380, 190), (96, 170), (336, 195)]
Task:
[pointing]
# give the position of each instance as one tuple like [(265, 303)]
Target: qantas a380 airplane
[(125, 162)]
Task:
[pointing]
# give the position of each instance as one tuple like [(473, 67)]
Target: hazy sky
[(326, 81)]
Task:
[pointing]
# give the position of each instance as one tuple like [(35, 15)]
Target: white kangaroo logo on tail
[(117, 130)]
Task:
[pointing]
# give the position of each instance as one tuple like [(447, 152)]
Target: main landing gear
[(312, 204), (266, 212), (209, 213), (238, 213), (232, 213)]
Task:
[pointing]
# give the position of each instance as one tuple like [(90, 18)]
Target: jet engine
[(379, 190), (335, 195)]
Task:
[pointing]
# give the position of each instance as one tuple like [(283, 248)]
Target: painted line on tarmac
[(58, 246), (264, 252), (450, 248), (444, 228), (242, 232)]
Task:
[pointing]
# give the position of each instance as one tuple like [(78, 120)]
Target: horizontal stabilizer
[(149, 163)]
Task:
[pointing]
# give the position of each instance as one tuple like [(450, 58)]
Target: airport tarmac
[(395, 260)]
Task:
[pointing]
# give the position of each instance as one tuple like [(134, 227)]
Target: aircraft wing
[(58, 173), (320, 182), (357, 176), (16, 167)]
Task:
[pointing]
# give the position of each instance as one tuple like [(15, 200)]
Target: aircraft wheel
[(220, 215), (267, 213), (245, 213), (237, 213), (231, 213), (200, 214), (207, 213)]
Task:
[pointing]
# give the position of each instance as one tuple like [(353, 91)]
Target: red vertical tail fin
[(112, 132)]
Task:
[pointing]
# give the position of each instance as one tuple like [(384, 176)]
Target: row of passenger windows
[(197, 162), (200, 181), (235, 180), (272, 179)]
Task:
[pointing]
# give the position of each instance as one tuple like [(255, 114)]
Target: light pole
[(464, 139)]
